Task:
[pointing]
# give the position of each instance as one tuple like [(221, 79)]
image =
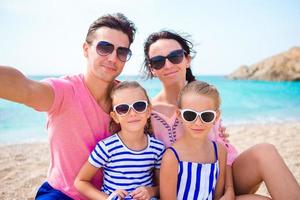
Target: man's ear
[(85, 48), (114, 117)]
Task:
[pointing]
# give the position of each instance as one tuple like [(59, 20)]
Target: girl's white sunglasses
[(206, 116), (139, 106)]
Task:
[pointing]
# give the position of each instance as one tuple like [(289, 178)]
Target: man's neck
[(100, 90)]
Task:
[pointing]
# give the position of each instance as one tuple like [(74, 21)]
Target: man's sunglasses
[(104, 48), (174, 57), (206, 116), (139, 106)]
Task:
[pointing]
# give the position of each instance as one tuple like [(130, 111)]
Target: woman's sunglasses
[(104, 48), (174, 57), (139, 106), (206, 116)]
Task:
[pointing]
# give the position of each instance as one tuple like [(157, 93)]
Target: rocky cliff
[(282, 67)]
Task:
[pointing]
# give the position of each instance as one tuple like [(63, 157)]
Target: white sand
[(23, 167)]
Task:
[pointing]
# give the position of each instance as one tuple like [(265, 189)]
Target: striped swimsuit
[(196, 180), (125, 168)]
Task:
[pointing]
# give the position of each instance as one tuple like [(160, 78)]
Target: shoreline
[(23, 167), (42, 137)]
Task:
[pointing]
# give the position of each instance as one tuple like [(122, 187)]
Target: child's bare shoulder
[(221, 149)]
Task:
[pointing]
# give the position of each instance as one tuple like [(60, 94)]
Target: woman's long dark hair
[(185, 44)]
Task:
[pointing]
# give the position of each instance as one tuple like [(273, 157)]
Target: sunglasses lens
[(157, 62), (122, 109), (124, 54), (176, 56), (104, 48), (208, 117), (140, 106), (189, 115)]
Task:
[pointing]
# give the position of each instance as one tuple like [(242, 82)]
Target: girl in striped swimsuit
[(198, 162), (130, 158)]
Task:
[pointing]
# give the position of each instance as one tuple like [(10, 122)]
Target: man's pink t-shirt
[(75, 124), (169, 129)]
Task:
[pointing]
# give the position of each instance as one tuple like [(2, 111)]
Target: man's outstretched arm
[(14, 86)]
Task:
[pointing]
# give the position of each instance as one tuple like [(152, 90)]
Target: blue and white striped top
[(125, 168), (197, 180)]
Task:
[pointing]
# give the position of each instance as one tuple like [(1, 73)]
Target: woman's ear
[(114, 117), (153, 71), (188, 61)]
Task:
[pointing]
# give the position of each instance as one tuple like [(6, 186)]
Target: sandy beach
[(23, 167)]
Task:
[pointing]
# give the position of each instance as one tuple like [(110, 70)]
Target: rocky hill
[(282, 67)]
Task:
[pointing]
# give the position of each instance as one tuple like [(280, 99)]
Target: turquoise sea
[(242, 102)]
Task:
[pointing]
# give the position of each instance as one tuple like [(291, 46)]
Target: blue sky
[(45, 37)]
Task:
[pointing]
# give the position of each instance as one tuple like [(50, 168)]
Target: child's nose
[(198, 120), (131, 111)]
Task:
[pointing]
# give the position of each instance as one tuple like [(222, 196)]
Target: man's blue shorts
[(46, 192)]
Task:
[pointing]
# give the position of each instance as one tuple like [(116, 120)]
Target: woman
[(168, 57)]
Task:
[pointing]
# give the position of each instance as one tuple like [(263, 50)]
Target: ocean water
[(242, 102)]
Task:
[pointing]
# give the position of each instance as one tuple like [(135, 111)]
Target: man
[(77, 106)]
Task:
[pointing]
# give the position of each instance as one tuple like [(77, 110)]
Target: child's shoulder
[(109, 140), (220, 146), (155, 140), (156, 144), (175, 147), (222, 152)]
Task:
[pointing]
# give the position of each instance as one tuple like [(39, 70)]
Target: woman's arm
[(83, 185), (222, 166), (168, 176)]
